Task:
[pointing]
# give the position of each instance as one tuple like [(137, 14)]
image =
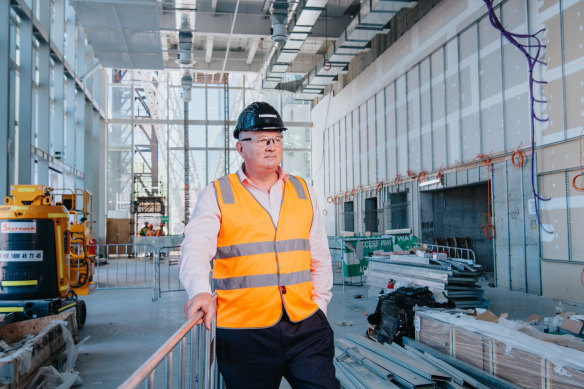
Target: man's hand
[(204, 302)]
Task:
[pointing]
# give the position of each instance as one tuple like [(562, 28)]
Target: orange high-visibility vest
[(260, 268)]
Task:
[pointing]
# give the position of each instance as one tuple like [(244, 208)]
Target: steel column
[(4, 95), (25, 123)]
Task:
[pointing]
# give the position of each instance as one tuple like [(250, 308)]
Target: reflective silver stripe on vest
[(282, 246), (261, 280), (297, 187), (226, 191), (296, 277)]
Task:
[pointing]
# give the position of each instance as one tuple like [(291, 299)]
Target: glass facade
[(146, 137), (51, 118)]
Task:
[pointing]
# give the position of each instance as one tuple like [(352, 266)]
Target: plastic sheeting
[(501, 349)]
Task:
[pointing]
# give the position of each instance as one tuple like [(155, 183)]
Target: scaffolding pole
[(187, 165), (226, 121)]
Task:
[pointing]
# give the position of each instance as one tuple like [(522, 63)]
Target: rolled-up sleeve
[(321, 265), (200, 244)]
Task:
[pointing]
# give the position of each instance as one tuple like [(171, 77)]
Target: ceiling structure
[(316, 39)]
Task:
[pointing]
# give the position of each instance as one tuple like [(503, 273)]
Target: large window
[(146, 137)]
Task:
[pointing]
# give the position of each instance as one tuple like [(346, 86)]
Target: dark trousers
[(258, 358)]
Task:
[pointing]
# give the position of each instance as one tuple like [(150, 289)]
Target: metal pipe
[(192, 356), (207, 358), (150, 383), (182, 365), (199, 361), (169, 366), (212, 355), (156, 278), (229, 40)]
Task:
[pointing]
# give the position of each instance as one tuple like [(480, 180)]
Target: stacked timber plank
[(455, 278), (502, 349), (362, 363)]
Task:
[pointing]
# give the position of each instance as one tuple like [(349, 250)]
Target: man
[(151, 229), (271, 266), (144, 230), (160, 230)]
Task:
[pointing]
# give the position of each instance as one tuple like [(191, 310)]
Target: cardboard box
[(488, 316), (534, 319), (574, 326)]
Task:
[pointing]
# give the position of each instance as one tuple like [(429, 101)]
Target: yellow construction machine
[(45, 259)]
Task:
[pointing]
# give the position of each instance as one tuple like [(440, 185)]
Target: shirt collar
[(282, 174)]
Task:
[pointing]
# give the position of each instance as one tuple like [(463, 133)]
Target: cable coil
[(578, 188), (517, 159)]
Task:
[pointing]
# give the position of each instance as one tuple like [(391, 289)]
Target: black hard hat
[(258, 116)]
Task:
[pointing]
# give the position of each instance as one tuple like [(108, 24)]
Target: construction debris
[(34, 343), (394, 315), (362, 363), (456, 278)]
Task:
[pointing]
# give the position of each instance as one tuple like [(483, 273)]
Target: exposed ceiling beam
[(216, 65), (256, 25), (251, 49), (208, 49)]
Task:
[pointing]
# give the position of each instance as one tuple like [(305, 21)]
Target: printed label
[(18, 228), (417, 323), (21, 255), (531, 207)]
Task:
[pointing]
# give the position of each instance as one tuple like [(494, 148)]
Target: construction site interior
[(443, 139)]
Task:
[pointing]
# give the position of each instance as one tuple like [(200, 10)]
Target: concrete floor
[(124, 327)]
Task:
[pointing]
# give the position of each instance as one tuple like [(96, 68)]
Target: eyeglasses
[(264, 141)]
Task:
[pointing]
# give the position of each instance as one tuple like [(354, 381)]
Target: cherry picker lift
[(45, 261)]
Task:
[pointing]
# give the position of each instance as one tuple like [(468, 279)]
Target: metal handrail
[(146, 371), (470, 254)]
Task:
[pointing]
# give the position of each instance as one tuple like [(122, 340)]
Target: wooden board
[(118, 231)]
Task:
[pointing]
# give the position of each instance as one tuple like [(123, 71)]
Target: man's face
[(259, 156)]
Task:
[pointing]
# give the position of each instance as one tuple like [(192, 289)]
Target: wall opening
[(371, 214), (349, 216), (398, 211), (453, 217)]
